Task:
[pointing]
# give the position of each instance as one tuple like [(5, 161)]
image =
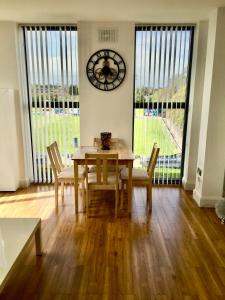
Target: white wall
[(100, 110), (211, 152), (8, 56), (9, 80), (195, 105), (9, 157)]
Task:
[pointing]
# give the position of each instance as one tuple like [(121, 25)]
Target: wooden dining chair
[(61, 173), (115, 144), (97, 142), (102, 178), (142, 177)]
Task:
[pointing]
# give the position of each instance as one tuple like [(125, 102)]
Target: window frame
[(170, 105)]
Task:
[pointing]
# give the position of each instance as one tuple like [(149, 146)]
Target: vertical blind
[(162, 79), (53, 93)]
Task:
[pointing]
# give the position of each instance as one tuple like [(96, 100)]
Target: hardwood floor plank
[(176, 252)]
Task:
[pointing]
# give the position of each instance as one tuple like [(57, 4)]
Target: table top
[(15, 233), (123, 153)]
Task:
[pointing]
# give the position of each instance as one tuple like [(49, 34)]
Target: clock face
[(106, 70)]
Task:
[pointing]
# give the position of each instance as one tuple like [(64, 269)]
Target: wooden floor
[(177, 252)]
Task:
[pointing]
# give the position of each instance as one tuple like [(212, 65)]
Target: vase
[(105, 140)]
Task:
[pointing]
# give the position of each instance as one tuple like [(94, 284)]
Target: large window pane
[(162, 74), (53, 92)]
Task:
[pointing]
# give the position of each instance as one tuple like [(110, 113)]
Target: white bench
[(15, 234)]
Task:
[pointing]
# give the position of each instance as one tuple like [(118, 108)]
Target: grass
[(58, 126), (65, 127), (156, 132)]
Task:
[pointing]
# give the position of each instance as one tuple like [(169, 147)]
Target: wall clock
[(106, 70)]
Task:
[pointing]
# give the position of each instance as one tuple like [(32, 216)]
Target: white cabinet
[(9, 157)]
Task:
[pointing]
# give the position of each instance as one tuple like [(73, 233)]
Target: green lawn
[(154, 129), (59, 126)]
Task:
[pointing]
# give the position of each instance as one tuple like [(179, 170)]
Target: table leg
[(38, 241), (76, 185), (129, 185)]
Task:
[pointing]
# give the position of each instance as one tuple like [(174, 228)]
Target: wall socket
[(199, 172)]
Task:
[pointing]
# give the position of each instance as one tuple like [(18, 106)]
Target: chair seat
[(68, 173), (137, 174), (92, 178)]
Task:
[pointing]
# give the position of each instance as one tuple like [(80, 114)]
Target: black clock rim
[(110, 89), (113, 60)]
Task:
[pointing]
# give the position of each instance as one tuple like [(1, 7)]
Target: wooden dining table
[(125, 158)]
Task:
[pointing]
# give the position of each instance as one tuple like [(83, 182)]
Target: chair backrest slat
[(153, 149), (52, 161), (97, 142), (55, 158), (153, 161), (58, 155), (57, 165), (102, 160)]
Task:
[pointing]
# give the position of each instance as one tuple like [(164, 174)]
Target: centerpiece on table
[(105, 140)]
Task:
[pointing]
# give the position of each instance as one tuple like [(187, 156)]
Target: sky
[(161, 55), (50, 52)]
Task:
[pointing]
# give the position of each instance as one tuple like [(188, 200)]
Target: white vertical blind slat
[(49, 126), (74, 62), (154, 126), (59, 84), (36, 137), (30, 72), (168, 93), (164, 98), (144, 82), (160, 96), (46, 168), (42, 98), (52, 63), (67, 94), (39, 99)]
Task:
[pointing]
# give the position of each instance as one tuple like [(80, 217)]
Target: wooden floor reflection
[(176, 252)]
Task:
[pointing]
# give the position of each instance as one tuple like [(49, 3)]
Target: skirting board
[(205, 201), (188, 185), (24, 183)]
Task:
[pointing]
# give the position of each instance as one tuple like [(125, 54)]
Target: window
[(162, 79), (53, 93)]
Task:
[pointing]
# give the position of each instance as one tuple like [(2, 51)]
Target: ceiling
[(55, 11)]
